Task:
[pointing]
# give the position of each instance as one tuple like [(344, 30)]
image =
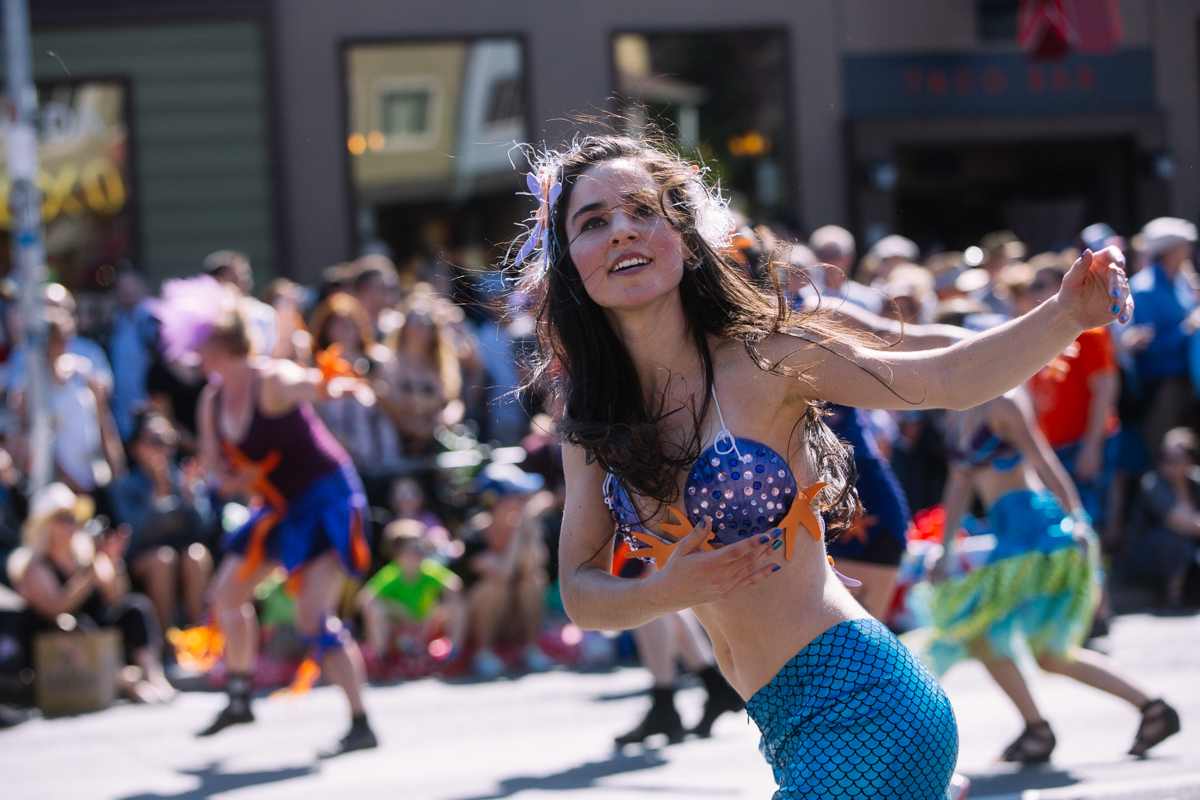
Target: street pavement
[(537, 737)]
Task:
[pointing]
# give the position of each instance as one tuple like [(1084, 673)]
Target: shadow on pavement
[(213, 781), (1020, 780), (583, 776)]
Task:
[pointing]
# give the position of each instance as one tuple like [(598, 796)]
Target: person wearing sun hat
[(61, 569), (503, 567)]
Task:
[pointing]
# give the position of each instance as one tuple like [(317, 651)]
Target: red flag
[(1048, 29)]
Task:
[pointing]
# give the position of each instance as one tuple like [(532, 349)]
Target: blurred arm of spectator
[(1105, 387), (902, 336), (114, 451), (1136, 338)]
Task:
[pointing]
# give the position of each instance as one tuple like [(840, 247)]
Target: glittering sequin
[(749, 471), (854, 714)]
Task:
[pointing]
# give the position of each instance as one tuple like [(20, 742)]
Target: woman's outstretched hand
[(1095, 291), (694, 575)]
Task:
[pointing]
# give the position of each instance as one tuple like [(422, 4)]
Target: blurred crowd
[(460, 463)]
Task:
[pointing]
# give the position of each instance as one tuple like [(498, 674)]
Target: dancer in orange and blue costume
[(645, 321), (261, 438)]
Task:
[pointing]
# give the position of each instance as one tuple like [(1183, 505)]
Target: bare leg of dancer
[(232, 604)]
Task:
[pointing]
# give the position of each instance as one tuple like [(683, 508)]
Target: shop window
[(996, 20), (722, 96)]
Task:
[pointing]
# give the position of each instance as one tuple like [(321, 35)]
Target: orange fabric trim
[(270, 496)]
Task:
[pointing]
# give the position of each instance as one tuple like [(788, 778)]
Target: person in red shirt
[(1075, 399)]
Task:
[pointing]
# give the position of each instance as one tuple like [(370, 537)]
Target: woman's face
[(344, 331), (627, 253)]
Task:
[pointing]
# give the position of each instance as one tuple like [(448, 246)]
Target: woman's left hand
[(1095, 292)]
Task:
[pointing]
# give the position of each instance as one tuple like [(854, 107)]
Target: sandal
[(1159, 721), (1033, 746)]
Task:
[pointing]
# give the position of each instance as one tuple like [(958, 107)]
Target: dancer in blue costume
[(669, 366), (1038, 589)]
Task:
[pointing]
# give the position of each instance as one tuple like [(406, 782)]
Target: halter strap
[(723, 434)]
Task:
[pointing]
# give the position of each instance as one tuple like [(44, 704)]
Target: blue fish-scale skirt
[(854, 714)]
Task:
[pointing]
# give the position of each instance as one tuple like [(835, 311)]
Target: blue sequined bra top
[(745, 486)]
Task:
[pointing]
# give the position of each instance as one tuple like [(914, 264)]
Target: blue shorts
[(854, 714), (330, 514)]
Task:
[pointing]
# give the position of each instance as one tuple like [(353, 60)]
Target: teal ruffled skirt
[(1035, 594)]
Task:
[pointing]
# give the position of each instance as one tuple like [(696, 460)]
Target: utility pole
[(28, 239)]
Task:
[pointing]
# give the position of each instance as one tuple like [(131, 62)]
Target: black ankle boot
[(662, 718), (721, 698), (237, 712)]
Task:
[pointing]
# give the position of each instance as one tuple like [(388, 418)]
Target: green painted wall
[(199, 133)]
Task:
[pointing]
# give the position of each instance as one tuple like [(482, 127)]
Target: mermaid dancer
[(660, 350)]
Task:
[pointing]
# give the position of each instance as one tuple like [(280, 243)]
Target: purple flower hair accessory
[(187, 311), (546, 189)]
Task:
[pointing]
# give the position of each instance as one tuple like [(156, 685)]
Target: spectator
[(288, 300), (131, 348), (87, 450), (428, 380), (503, 568), (62, 570), (170, 522), (834, 248), (406, 499), (367, 431), (1164, 527), (413, 599), (232, 269), (506, 420), (56, 296), (1162, 322), (373, 281)]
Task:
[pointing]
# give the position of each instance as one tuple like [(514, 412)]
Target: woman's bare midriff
[(756, 632)]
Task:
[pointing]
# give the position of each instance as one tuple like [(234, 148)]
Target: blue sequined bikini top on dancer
[(745, 486), (985, 449)]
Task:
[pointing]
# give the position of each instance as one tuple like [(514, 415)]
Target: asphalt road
[(550, 736)]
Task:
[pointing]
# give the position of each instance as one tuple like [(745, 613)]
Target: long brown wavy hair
[(606, 410)]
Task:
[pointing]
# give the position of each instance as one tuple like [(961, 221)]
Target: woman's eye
[(644, 210), (591, 222)]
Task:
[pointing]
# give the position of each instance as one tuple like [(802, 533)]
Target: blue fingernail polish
[(1116, 293), (776, 568), (1115, 309), (764, 539), (776, 532), (1124, 318), (778, 544)]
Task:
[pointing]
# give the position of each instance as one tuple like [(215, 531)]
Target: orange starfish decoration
[(660, 551), (801, 514)]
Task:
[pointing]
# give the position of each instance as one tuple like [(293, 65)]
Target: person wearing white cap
[(834, 248), (1165, 319)]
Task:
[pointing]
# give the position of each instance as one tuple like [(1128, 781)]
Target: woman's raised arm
[(975, 370)]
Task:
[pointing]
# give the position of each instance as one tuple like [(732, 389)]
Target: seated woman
[(61, 570), (171, 523), (1164, 527), (1038, 589)]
